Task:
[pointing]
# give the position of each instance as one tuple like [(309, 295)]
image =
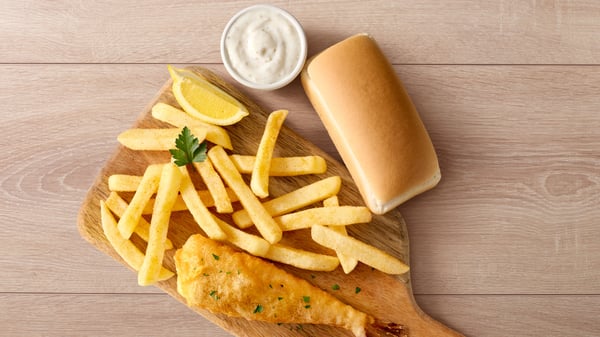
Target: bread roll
[(372, 122)]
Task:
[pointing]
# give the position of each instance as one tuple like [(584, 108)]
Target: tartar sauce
[(264, 45)]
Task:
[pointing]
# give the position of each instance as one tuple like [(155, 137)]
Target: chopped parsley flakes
[(213, 294)]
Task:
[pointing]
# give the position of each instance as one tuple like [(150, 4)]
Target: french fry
[(179, 118), (130, 183), (146, 188), (166, 194), (294, 200), (363, 252), (118, 206), (348, 262), (125, 248), (325, 216), (155, 139), (123, 182), (201, 214), (259, 183), (301, 258), (180, 205), (253, 244), (215, 185), (265, 224), (332, 201), (283, 166)]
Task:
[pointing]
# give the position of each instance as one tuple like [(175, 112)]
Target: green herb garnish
[(188, 149), (335, 287), (357, 290), (258, 309), (216, 257), (306, 299), (213, 294)]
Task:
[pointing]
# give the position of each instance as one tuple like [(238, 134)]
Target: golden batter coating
[(213, 276)]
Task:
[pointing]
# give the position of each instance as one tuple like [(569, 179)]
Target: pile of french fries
[(166, 188)]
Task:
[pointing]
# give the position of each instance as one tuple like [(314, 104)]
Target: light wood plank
[(422, 32), (100, 315), (160, 315), (517, 208), (516, 315), (58, 128), (516, 211)]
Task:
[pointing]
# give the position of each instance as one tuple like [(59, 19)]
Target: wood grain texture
[(55, 139), (387, 232), (516, 211), (464, 32), (518, 149), (521, 218), (31, 315)]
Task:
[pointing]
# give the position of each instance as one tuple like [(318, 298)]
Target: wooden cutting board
[(387, 298)]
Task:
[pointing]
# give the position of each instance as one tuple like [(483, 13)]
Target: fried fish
[(218, 278)]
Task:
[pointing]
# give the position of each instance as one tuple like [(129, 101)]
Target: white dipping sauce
[(264, 46)]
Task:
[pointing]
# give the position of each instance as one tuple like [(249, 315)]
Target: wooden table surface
[(508, 244)]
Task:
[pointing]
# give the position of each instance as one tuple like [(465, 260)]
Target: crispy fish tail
[(382, 329)]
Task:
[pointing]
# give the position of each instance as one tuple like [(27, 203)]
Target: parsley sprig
[(188, 149)]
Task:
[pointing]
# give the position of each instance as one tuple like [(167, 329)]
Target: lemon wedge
[(203, 100)]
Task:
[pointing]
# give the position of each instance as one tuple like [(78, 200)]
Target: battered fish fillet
[(213, 276)]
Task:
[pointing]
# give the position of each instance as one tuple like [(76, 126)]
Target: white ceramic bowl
[(278, 82)]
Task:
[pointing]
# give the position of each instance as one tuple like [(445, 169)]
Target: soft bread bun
[(372, 122)]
